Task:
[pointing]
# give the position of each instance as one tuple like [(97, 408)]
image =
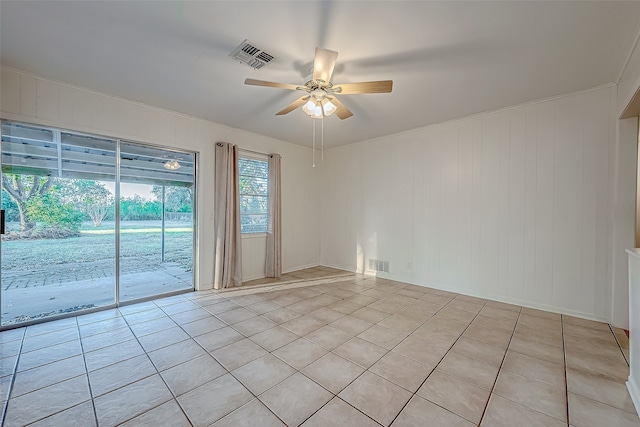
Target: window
[(254, 195)]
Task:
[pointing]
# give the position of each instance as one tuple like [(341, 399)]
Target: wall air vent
[(248, 53), (379, 265)]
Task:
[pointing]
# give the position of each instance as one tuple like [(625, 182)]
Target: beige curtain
[(273, 265), (228, 243)]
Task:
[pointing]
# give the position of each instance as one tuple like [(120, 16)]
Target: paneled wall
[(30, 99), (514, 205)]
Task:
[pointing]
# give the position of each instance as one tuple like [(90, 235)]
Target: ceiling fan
[(321, 100)]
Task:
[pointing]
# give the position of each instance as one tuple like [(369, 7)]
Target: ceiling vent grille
[(253, 56)]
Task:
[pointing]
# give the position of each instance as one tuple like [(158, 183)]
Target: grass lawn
[(137, 239)]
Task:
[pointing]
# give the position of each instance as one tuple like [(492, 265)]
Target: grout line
[(618, 343), (506, 350), (5, 407), (564, 360)]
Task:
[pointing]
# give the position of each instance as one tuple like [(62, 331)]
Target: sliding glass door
[(156, 221), (90, 222)]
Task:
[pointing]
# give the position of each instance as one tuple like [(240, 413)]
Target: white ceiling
[(447, 59)]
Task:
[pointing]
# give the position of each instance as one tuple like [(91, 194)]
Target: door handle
[(2, 221)]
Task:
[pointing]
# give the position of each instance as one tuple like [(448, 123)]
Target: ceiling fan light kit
[(321, 100)]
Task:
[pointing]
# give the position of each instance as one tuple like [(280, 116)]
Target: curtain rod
[(253, 152)]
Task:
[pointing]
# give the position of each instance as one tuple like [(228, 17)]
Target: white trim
[(634, 392)]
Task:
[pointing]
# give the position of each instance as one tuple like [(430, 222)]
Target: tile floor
[(342, 351)]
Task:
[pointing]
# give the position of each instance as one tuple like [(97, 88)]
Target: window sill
[(253, 235)]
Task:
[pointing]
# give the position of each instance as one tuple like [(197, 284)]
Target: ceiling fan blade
[(254, 82), (323, 64), (381, 86), (342, 112), (295, 104)]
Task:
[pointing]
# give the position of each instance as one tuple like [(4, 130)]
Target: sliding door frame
[(117, 303)]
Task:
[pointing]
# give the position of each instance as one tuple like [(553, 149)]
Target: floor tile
[(502, 412), (614, 368), (378, 398), (302, 325), (120, 374), (43, 356), (48, 339), (536, 335), (253, 326), (145, 316), (326, 315), (540, 323), (160, 415), (333, 372), (460, 397), (537, 349), (263, 307), (370, 314), (146, 328), (295, 399), (263, 373), (584, 412), (499, 339), (420, 412), (219, 338), (328, 337), (374, 356), (400, 323), (281, 315), (383, 337), (600, 389), (466, 306), (468, 369), (236, 315), (248, 415), (81, 415), (338, 413), (106, 339), (46, 375), (494, 324), (499, 313), (402, 371), (192, 374), (46, 401), (534, 394), (479, 350), (163, 338), (8, 365), (300, 353), (203, 326), (131, 400), (421, 351), (175, 354), (360, 352), (440, 337), (541, 313), (109, 355), (274, 338), (537, 369), (239, 353), (213, 400)]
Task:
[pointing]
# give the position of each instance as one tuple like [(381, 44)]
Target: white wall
[(30, 99), (514, 205)]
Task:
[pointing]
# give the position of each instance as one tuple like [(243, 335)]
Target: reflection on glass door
[(156, 221), (58, 252)]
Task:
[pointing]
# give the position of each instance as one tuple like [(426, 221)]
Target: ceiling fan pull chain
[(322, 149), (314, 143)]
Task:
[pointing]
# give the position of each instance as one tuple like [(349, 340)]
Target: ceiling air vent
[(248, 54)]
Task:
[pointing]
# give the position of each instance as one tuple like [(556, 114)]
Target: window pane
[(254, 188)]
